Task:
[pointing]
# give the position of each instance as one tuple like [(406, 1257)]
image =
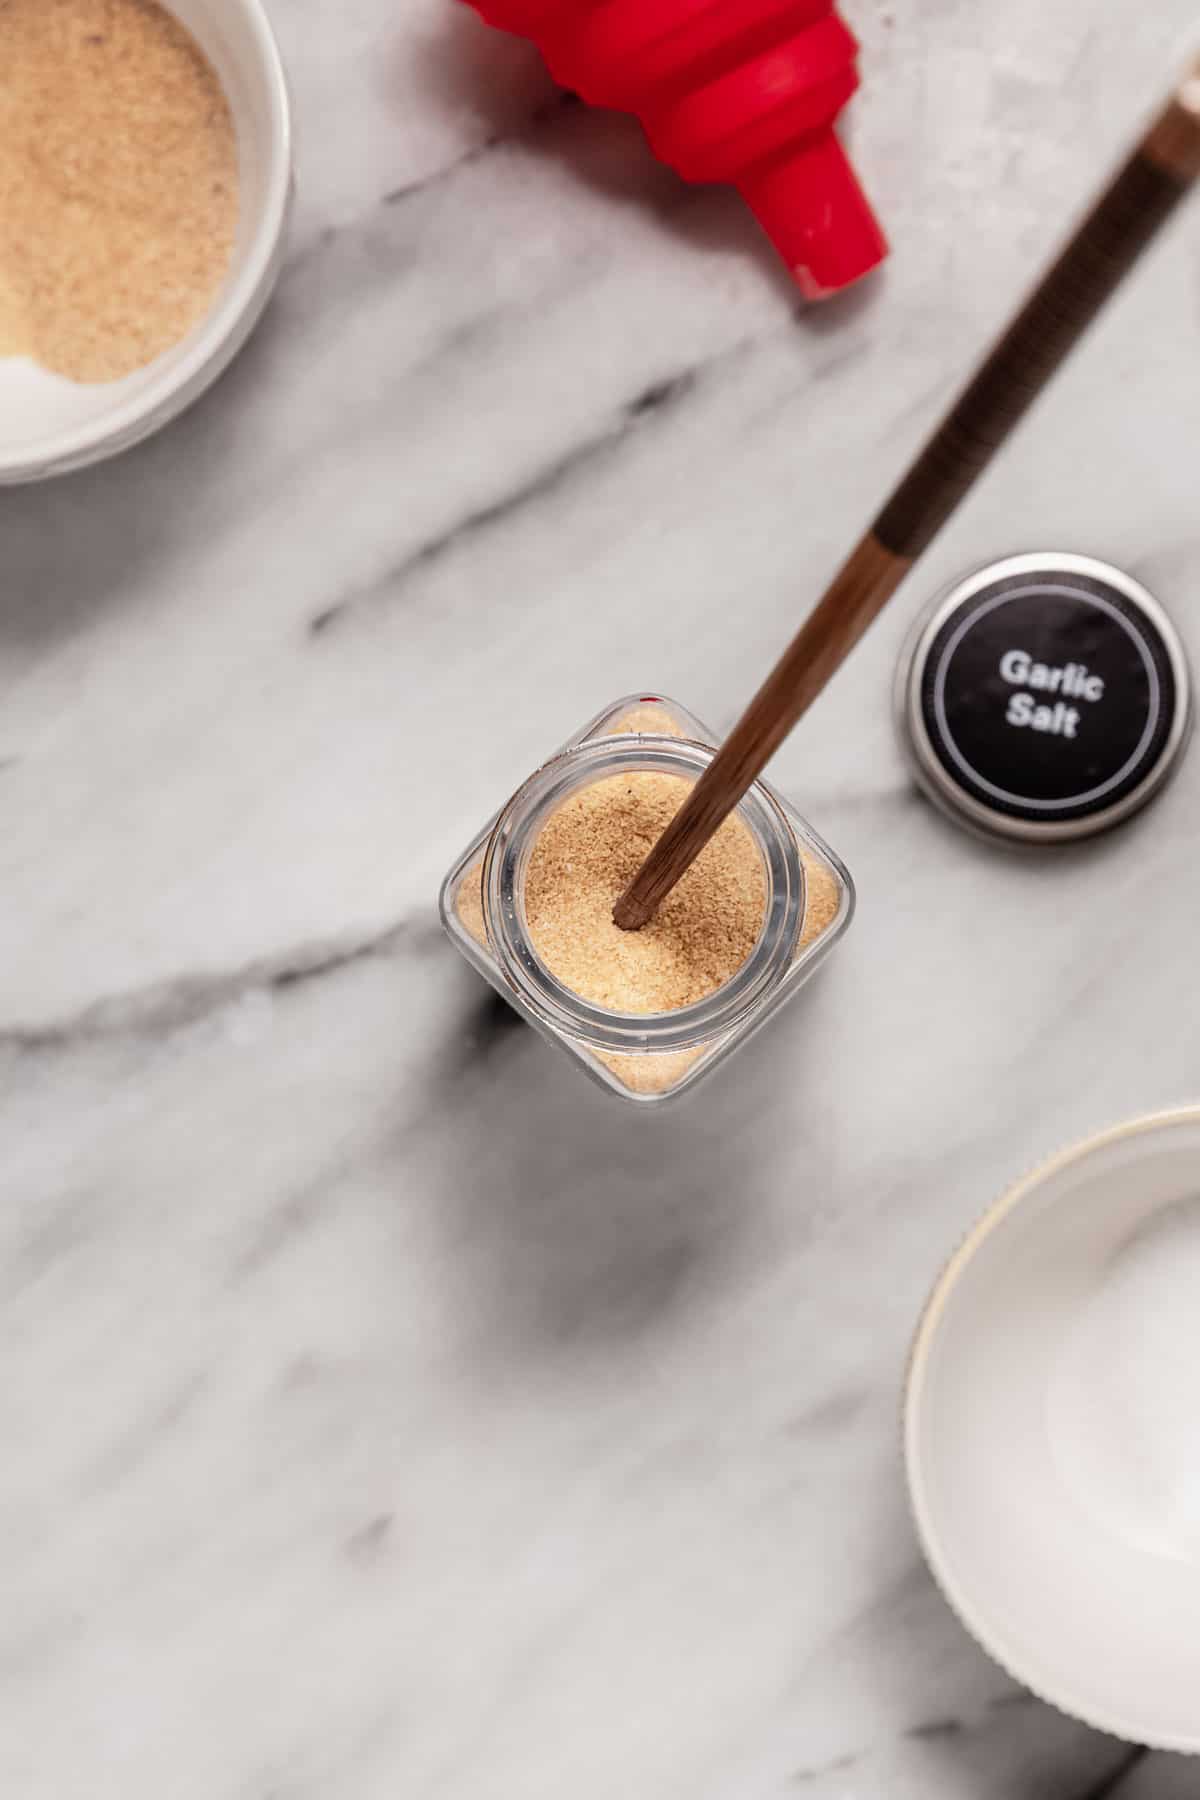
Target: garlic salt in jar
[(647, 1013)]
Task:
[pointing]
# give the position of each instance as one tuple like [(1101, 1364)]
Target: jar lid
[(1044, 697)]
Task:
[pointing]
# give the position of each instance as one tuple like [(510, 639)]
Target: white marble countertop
[(384, 1412)]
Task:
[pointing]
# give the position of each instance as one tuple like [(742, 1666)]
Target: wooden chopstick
[(1126, 217)]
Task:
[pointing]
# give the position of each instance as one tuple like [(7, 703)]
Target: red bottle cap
[(744, 91)]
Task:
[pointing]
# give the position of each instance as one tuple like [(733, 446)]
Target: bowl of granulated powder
[(145, 174)]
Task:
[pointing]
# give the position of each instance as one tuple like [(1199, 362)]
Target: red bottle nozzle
[(818, 218), (744, 91)]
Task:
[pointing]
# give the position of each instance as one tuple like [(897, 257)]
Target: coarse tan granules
[(822, 898), (13, 326), (118, 184), (468, 904), (585, 855), (645, 719), (654, 1072)]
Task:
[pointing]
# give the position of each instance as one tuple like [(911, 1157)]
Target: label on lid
[(1046, 693)]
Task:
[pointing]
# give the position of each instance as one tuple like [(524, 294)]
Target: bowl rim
[(984, 1632), (221, 333)]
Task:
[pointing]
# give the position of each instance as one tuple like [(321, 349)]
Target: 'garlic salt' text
[(1072, 679)]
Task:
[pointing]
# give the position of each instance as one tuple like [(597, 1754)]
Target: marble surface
[(384, 1413)]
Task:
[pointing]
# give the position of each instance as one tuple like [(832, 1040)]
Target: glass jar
[(645, 1057)]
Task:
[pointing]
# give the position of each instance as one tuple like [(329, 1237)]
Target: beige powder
[(654, 1072), (586, 854), (647, 719), (468, 904), (14, 324), (822, 898), (118, 184)]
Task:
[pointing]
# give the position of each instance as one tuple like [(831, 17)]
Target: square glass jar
[(645, 1058)]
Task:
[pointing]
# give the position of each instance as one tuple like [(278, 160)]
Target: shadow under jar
[(645, 1056)]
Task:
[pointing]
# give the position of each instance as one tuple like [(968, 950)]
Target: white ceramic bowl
[(48, 424), (1052, 1431)]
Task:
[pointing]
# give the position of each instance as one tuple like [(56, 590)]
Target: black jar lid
[(1044, 697)]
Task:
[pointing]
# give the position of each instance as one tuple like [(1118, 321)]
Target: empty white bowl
[(49, 424), (1052, 1431)]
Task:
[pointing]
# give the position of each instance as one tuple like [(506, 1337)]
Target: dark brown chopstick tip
[(629, 915)]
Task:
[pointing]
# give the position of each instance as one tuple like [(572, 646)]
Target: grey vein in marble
[(384, 1414), (540, 486), (167, 1006)]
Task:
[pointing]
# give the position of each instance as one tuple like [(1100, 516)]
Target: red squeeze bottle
[(745, 91)]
